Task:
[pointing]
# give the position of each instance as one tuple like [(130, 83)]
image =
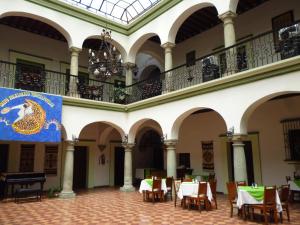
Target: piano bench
[(28, 192)]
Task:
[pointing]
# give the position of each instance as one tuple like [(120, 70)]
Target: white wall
[(266, 120)]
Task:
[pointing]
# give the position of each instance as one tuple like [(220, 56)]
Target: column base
[(127, 188), (67, 194)]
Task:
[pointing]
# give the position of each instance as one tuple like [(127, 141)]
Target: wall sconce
[(163, 138), (230, 132), (101, 147), (125, 139), (74, 138)]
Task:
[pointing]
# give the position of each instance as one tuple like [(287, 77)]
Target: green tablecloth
[(150, 182), (297, 182), (257, 193)]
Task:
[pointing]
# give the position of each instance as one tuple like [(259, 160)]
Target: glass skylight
[(123, 11)]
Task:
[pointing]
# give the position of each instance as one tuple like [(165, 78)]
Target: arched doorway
[(151, 147)]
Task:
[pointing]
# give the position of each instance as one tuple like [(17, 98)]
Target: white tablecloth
[(146, 187), (245, 198), (293, 186), (188, 188)]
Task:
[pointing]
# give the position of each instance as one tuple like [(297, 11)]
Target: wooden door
[(80, 170), (4, 148), (119, 166)]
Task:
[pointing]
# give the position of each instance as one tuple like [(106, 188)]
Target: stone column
[(129, 75), (168, 65), (229, 40), (67, 191), (74, 71), (239, 159), (128, 168), (171, 157)]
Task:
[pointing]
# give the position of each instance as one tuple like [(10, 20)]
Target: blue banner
[(29, 116)]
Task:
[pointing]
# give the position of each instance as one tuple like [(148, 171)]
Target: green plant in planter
[(53, 192)]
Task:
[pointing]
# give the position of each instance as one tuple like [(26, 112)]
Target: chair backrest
[(202, 188), (169, 181), (213, 186), (211, 176), (156, 184), (187, 180), (177, 184), (241, 183), (284, 193), (231, 189), (270, 195)]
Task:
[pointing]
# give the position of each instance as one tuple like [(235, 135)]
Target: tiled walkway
[(110, 206)]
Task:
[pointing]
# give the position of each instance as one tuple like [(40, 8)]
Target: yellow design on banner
[(31, 118)]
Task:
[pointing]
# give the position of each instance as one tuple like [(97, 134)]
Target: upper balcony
[(39, 68)]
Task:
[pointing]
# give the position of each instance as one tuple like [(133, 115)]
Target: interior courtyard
[(134, 90)]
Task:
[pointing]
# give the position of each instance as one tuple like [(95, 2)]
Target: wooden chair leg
[(231, 211), (280, 216), (275, 216), (265, 216), (288, 213)]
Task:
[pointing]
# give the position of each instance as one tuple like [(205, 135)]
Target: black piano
[(23, 181)]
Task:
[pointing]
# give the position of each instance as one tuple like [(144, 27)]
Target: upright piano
[(21, 179)]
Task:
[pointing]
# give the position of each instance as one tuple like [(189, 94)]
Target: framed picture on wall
[(283, 20)]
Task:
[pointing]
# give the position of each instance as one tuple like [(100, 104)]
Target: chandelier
[(106, 61)]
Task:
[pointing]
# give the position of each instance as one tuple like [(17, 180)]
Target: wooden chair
[(241, 183), (284, 198), (199, 197), (213, 188), (169, 184), (156, 191), (177, 184), (232, 196), (269, 204), (211, 176)]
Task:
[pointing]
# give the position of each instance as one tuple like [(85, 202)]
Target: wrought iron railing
[(250, 53), (12, 76)]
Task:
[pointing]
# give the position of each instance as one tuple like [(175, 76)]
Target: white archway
[(137, 126), (50, 22), (136, 45), (179, 120), (258, 102)]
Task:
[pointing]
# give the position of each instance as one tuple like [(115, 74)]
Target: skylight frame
[(122, 11)]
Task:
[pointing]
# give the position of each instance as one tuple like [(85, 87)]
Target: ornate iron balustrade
[(248, 54), (55, 83), (251, 53)]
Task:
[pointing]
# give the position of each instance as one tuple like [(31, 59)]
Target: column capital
[(128, 146), (171, 143), (229, 15), (129, 65), (75, 50), (70, 145), (168, 45), (239, 138)]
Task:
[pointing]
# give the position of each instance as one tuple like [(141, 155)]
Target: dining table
[(248, 195), (294, 185), (191, 188), (146, 185)]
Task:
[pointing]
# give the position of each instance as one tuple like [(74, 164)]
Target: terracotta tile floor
[(110, 206)]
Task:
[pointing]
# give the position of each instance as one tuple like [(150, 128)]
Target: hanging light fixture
[(105, 61)]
